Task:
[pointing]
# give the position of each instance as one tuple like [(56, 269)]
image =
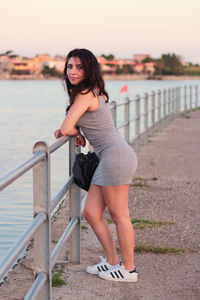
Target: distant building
[(144, 68), (44, 57), (57, 64), (107, 66), (184, 63), (26, 66), (101, 60), (150, 67), (138, 68), (5, 65), (140, 57)]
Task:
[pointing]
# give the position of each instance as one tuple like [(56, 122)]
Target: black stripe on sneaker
[(106, 267), (116, 274), (112, 275), (120, 274), (99, 269)]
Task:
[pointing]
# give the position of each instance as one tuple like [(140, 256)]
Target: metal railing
[(148, 113)]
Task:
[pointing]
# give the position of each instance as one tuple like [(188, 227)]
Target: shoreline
[(146, 77), (110, 77)]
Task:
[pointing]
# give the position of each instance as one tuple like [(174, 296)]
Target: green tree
[(118, 70), (52, 72), (148, 59), (169, 64), (127, 69), (108, 57), (9, 53)]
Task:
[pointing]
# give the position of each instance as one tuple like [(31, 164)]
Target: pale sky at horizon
[(121, 27)]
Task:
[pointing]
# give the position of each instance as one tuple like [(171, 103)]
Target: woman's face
[(75, 72)]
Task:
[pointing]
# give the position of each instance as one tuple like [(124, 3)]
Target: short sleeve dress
[(117, 160)]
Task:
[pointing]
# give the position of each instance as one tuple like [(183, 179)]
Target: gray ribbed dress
[(117, 160)]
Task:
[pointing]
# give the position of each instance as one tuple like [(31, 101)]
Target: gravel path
[(173, 158)]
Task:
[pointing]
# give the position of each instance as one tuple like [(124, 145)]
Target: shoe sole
[(97, 273), (120, 279)]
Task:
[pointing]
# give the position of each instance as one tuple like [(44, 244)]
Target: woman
[(89, 110)]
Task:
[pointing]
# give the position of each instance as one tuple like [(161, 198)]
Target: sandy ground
[(173, 157)]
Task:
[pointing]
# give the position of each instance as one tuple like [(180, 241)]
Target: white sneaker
[(119, 273), (102, 266)]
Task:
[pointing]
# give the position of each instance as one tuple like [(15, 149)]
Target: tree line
[(167, 64)]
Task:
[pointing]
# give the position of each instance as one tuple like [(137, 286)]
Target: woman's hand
[(80, 140), (57, 134)]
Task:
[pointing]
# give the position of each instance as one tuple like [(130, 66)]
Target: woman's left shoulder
[(84, 97)]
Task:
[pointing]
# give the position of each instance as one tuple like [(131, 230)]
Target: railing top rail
[(21, 169), (61, 141), (28, 164)]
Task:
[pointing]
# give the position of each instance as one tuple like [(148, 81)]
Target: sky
[(120, 27)]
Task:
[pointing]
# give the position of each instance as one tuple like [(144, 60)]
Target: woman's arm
[(80, 105)]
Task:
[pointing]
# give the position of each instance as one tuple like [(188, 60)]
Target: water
[(31, 111)]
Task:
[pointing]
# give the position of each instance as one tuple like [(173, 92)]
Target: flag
[(124, 89)]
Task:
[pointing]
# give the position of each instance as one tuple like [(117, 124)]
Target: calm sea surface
[(30, 111)]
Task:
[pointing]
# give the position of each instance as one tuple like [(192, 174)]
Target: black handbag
[(84, 168)]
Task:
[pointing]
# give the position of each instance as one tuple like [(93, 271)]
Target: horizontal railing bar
[(136, 136), (61, 193), (122, 124), (137, 117), (133, 100), (63, 262), (144, 114), (142, 132), (58, 248), (61, 141), (19, 245), (23, 168), (133, 119), (36, 286), (120, 104)]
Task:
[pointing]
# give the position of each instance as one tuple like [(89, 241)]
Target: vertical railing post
[(159, 110), (169, 104), (127, 119), (179, 100), (196, 96), (114, 112), (185, 98), (164, 107), (173, 104), (74, 210), (176, 101), (153, 110), (42, 238), (190, 98), (146, 116), (137, 125)]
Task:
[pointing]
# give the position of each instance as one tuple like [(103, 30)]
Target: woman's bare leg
[(93, 213), (116, 199)]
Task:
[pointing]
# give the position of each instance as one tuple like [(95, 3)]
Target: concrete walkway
[(173, 157)]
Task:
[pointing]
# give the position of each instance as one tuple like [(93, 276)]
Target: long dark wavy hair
[(92, 76)]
